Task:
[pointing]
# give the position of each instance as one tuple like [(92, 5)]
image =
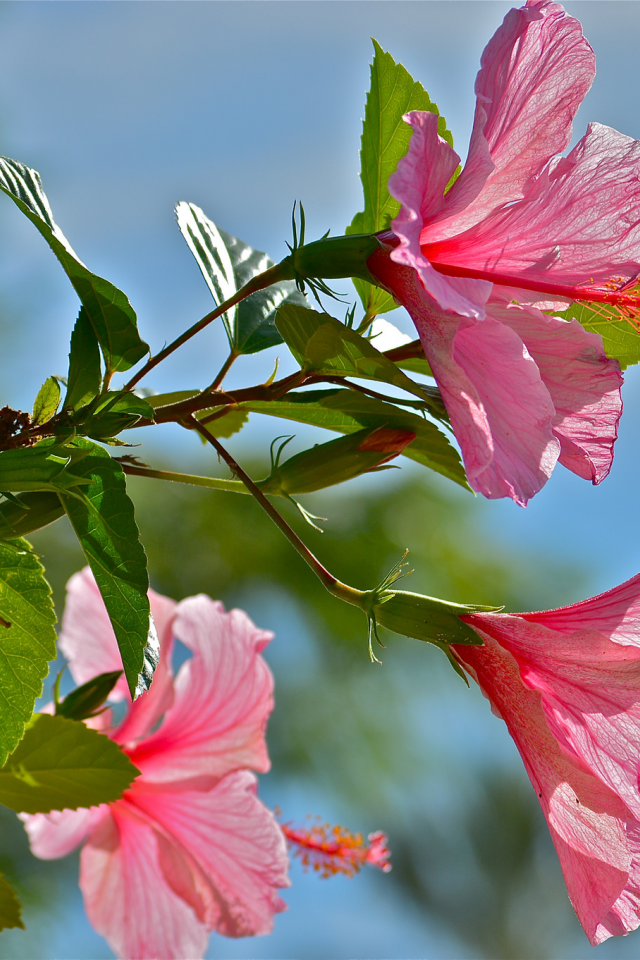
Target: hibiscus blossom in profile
[(523, 389), (567, 684), (188, 848)]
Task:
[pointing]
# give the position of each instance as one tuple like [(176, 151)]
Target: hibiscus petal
[(590, 690), (418, 184), (615, 613), (579, 222), (534, 74), (624, 915), (223, 852), (55, 834), (223, 697), (583, 382), (518, 407), (127, 898), (586, 819)]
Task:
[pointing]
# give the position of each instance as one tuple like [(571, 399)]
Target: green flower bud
[(425, 618), (336, 461), (334, 257)]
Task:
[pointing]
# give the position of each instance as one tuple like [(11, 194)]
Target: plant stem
[(331, 583), (232, 486), (278, 272), (224, 369)]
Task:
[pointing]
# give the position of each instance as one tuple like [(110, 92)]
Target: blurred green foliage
[(396, 746)]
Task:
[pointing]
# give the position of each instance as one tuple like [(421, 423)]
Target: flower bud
[(336, 461), (333, 257), (425, 618)]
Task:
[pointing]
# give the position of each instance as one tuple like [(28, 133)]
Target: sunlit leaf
[(27, 639), (109, 311), (346, 411), (322, 344), (49, 465), (111, 413), (62, 764), (385, 140), (620, 338), (83, 383), (227, 264), (46, 402), (225, 426), (102, 516), (10, 910)]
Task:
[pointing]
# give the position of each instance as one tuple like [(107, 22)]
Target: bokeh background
[(243, 107)]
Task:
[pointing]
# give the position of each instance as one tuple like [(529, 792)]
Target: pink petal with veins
[(222, 852), (223, 697), (583, 382), (126, 897)]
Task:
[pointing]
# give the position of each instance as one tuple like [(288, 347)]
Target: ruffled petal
[(535, 72), (223, 697), (583, 382), (624, 915), (518, 407), (221, 851), (418, 184), (615, 613), (579, 222), (590, 690), (55, 834), (586, 819), (127, 898)]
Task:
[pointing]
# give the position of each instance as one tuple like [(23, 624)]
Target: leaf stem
[(281, 271), (331, 583), (232, 486), (224, 369)]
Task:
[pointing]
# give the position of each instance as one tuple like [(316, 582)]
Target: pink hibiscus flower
[(567, 684), (188, 848), (523, 389)]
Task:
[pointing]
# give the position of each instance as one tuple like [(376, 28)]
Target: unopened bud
[(336, 461), (425, 618), (333, 257)]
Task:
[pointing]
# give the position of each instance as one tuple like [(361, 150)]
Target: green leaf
[(321, 344), (27, 639), (85, 376), (232, 422), (165, 399), (10, 909), (109, 312), (48, 465), (346, 411), (385, 140), (46, 402), (62, 764), (82, 702), (111, 413), (28, 512), (227, 264), (620, 338), (102, 516)]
